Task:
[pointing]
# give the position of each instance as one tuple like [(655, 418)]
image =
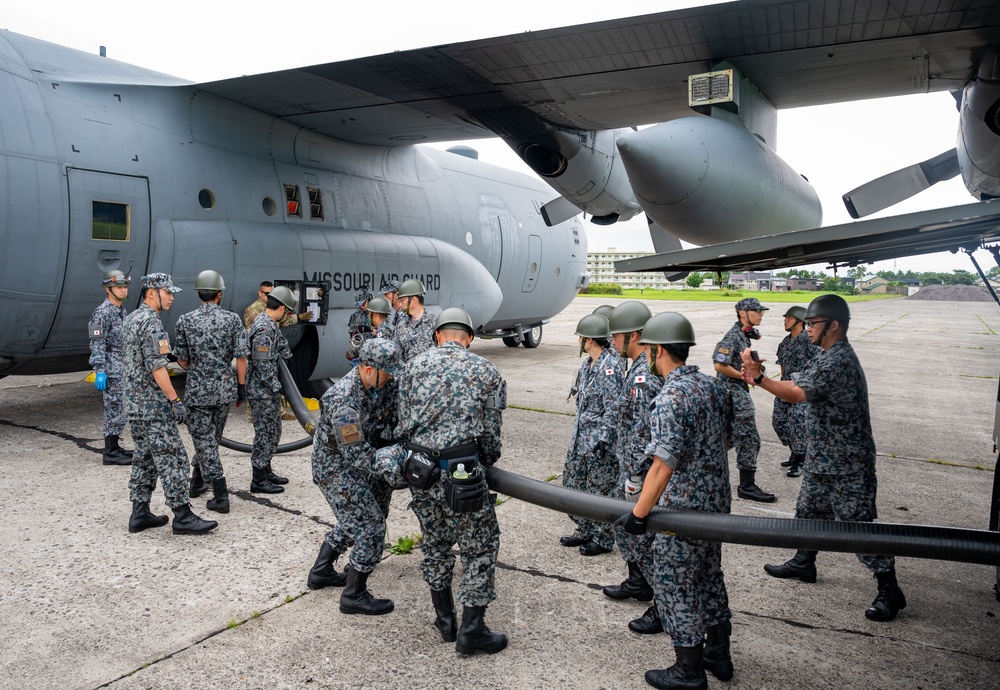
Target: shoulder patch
[(722, 350)]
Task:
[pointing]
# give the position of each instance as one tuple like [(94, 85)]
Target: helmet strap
[(653, 349)]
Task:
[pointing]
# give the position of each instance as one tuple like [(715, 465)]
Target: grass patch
[(795, 296), (538, 409), (551, 477), (976, 376), (233, 623), (992, 332), (405, 545), (255, 614)]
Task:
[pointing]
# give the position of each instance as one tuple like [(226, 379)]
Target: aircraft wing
[(945, 229), (628, 72)]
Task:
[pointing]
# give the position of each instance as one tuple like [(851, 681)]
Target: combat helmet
[(833, 307), (381, 353), (604, 310), (379, 305), (593, 326), (116, 279), (454, 317), (797, 312), (284, 296), (668, 328), (411, 287), (209, 281), (628, 316)]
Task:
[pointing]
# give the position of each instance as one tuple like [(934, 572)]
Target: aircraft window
[(468, 238), (292, 200), (534, 267), (557, 271), (206, 199), (315, 203), (111, 221), (269, 206)]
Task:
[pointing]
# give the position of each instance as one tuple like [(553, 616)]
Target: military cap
[(381, 353), (388, 286), (161, 281), (362, 295), (750, 304)]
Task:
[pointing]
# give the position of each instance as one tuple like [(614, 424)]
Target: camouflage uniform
[(598, 387), (415, 336), (257, 308), (209, 338), (449, 396), (158, 446), (266, 344), (745, 437), (789, 419), (106, 356), (691, 421), (839, 479), (359, 499), (637, 396)]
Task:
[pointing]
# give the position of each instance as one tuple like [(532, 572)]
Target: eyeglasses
[(813, 324), (264, 292)]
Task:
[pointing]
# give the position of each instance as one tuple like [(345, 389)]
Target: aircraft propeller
[(900, 185)]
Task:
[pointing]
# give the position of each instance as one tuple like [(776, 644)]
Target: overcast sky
[(836, 147)]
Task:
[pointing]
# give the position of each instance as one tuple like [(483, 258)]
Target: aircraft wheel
[(533, 338), (511, 341)]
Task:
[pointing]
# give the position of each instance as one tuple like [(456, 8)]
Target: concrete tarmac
[(85, 604)]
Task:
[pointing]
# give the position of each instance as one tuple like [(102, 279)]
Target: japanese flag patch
[(609, 372)]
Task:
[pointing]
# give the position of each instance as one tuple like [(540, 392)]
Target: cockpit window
[(111, 221)]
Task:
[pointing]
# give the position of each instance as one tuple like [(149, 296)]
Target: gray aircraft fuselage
[(109, 166)]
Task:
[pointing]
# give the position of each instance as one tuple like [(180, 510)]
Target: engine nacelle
[(978, 145), (585, 168), (709, 181)]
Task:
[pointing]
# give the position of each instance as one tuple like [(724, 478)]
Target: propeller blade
[(558, 210), (664, 241), (900, 185)]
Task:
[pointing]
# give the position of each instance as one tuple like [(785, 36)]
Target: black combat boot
[(789, 461), (274, 478), (890, 599), (113, 453), (687, 674), (198, 484), (635, 586), (322, 573), (142, 519), (648, 623), (261, 484), (716, 658), (186, 522), (795, 469), (357, 599), (474, 636), (444, 614), (749, 490), (220, 496), (802, 566)]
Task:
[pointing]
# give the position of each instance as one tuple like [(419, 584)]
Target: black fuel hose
[(302, 414), (887, 539)]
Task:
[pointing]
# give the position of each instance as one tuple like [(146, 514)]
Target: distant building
[(794, 283), (601, 269), (873, 285)]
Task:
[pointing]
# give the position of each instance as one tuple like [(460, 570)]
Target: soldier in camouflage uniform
[(839, 480), (106, 361), (727, 362), (257, 307), (691, 425), (208, 339), (390, 290), (342, 461), (359, 326), (267, 344), (788, 420), (590, 461), (451, 404), (635, 400), (384, 428), (415, 328), (154, 410)]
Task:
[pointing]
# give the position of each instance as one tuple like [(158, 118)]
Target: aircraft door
[(108, 229)]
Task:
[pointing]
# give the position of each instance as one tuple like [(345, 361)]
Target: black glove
[(180, 414), (601, 450), (241, 393), (631, 524)]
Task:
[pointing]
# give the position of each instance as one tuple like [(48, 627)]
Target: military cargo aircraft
[(314, 177)]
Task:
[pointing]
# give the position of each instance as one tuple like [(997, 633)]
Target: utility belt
[(425, 466)]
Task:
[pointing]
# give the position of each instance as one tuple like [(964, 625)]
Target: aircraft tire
[(533, 337), (511, 341)]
